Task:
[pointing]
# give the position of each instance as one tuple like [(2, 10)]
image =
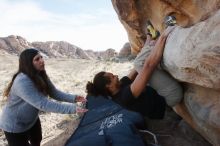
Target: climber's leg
[(160, 80)]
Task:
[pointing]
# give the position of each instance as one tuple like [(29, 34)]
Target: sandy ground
[(69, 75)]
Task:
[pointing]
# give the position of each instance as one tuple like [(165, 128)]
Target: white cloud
[(88, 31)]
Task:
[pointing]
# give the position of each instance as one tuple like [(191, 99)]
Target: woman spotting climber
[(28, 94)]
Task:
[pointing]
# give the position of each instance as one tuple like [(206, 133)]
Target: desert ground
[(69, 75)]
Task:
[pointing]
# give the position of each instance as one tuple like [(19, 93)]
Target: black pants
[(150, 104), (31, 137)]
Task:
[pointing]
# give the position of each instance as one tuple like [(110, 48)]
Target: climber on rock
[(132, 91), (160, 80)]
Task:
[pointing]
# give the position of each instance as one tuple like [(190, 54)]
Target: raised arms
[(150, 64)]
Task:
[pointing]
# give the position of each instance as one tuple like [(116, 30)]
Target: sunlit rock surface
[(195, 59), (134, 14)]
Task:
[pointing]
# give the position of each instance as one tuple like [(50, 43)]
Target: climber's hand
[(149, 41), (167, 31)]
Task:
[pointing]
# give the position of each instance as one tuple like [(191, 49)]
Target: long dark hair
[(40, 79), (98, 86)]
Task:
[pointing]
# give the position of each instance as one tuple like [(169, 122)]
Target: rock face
[(102, 55), (108, 54), (192, 53), (134, 15), (125, 50), (195, 59), (125, 53)]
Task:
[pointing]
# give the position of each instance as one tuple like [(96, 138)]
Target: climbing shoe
[(151, 31), (170, 21)]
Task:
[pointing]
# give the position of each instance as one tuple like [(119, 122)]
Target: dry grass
[(69, 75)]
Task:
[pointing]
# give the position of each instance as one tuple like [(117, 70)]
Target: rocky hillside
[(192, 53), (53, 49), (126, 52)]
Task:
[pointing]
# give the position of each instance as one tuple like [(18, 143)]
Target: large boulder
[(134, 15), (192, 53), (195, 59), (102, 55), (125, 50), (109, 53)]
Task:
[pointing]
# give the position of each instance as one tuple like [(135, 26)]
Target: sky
[(88, 24)]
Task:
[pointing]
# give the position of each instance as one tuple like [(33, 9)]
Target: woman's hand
[(80, 110), (79, 107), (80, 99)]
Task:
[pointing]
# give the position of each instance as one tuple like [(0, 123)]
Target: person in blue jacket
[(27, 94)]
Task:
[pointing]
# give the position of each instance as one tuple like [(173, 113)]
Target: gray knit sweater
[(24, 102)]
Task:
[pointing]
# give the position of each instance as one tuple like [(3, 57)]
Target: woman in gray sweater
[(28, 94)]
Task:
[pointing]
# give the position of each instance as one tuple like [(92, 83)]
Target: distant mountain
[(61, 49), (15, 44)]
